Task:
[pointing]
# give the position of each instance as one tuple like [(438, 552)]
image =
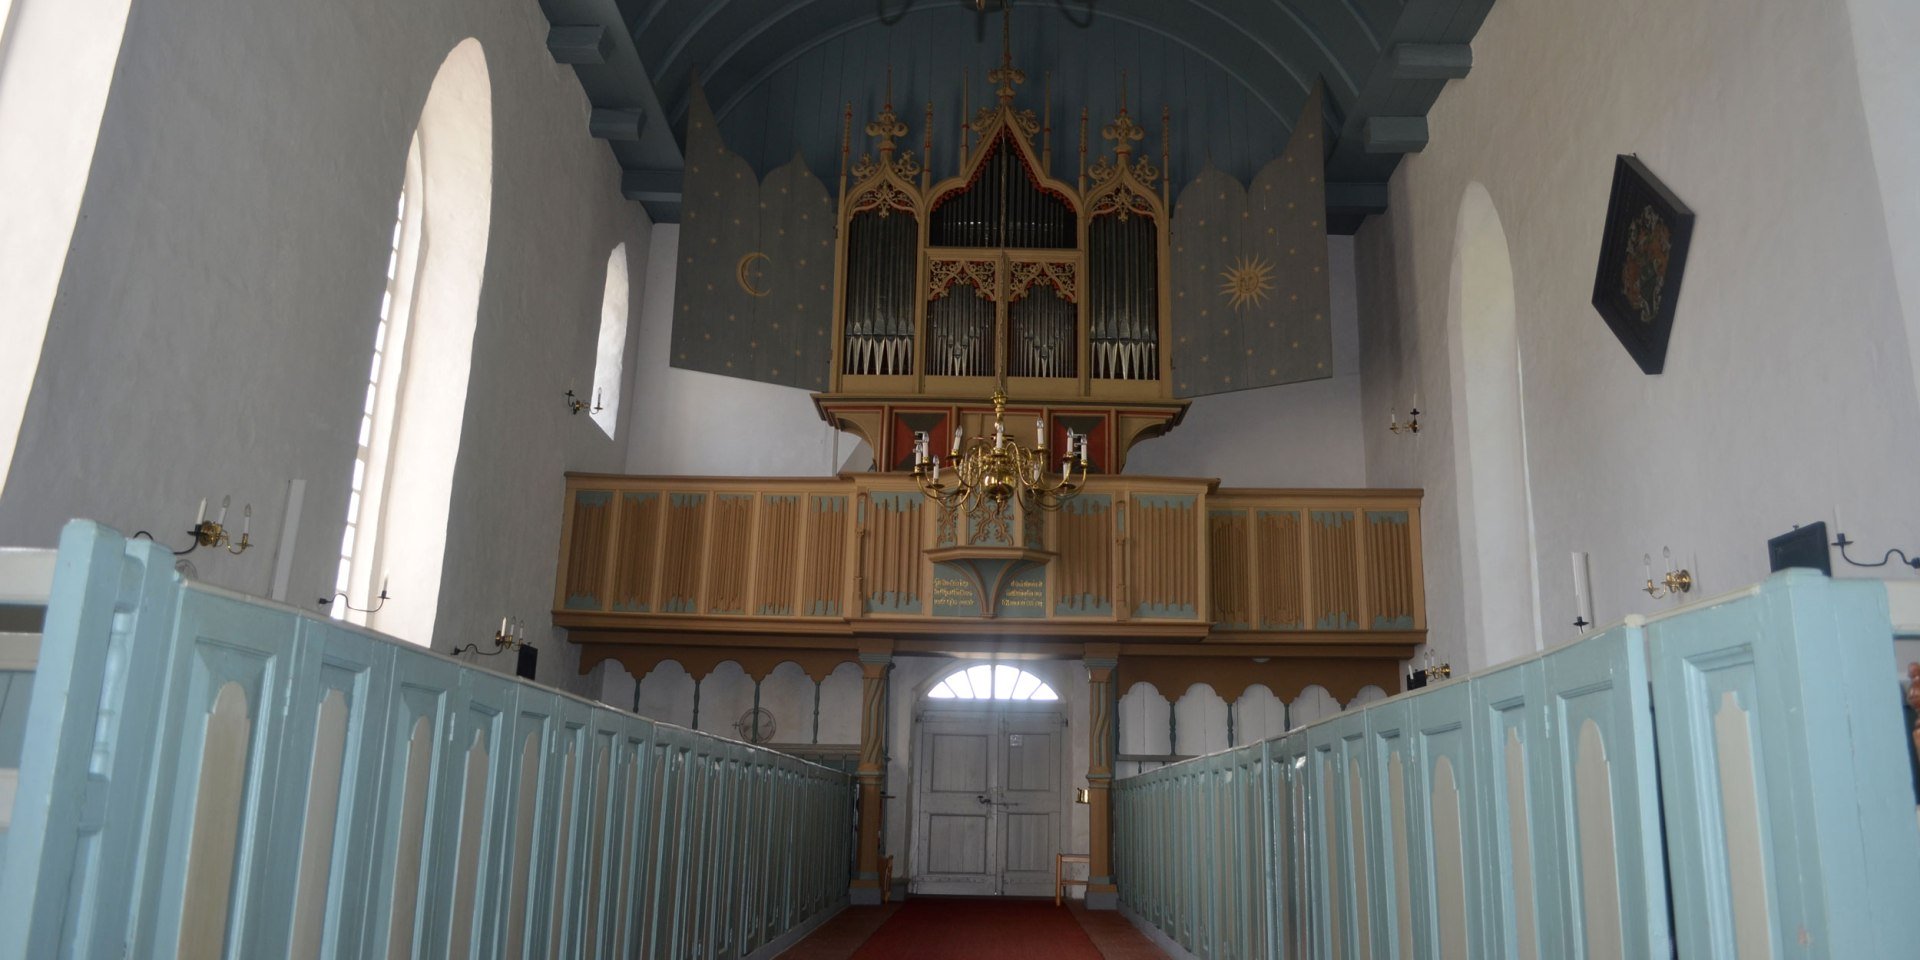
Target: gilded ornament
[(1249, 281)]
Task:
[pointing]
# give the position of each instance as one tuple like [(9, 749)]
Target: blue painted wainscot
[(1525, 813), (211, 775)]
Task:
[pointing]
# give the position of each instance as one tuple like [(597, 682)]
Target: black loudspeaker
[(1801, 547), (529, 659)]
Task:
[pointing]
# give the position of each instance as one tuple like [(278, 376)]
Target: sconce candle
[(1582, 591)]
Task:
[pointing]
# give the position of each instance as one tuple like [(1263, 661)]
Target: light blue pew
[(1792, 834), (1519, 813), (206, 774)]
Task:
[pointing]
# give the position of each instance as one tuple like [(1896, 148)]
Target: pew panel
[(1785, 833), (1518, 813), (209, 775)]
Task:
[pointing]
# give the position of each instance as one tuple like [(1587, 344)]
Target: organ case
[(1002, 276)]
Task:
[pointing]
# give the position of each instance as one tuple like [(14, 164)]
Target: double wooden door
[(987, 801)]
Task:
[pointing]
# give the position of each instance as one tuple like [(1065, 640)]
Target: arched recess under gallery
[(1495, 499), (453, 148)]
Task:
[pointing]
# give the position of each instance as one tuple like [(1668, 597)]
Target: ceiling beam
[(651, 186), (1360, 198), (579, 43), (1431, 61), (609, 123), (592, 36), (1395, 134)]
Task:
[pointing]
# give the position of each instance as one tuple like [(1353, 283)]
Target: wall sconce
[(1676, 581), (1082, 795), (1412, 423), (1840, 540), (213, 533), (1428, 674), (1582, 592), (577, 405), (342, 597), (512, 635)]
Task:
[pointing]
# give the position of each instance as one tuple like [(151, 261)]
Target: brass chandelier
[(993, 469)]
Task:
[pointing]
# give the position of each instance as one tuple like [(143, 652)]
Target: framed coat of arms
[(1642, 254)]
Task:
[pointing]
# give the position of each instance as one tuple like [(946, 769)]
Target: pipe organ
[(1001, 277)]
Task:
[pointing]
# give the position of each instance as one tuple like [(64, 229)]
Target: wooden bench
[(1060, 879)]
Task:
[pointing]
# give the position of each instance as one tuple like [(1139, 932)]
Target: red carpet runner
[(978, 930)]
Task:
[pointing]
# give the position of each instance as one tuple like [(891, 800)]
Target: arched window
[(414, 401), (373, 455), (995, 681), (610, 359), (59, 57)]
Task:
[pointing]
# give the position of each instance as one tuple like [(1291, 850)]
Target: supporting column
[(871, 774), (1101, 659)]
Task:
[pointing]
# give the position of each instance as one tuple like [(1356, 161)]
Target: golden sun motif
[(1248, 282)]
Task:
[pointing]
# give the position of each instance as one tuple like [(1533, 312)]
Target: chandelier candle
[(990, 474)]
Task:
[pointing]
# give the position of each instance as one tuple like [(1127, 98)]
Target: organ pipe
[(999, 270)]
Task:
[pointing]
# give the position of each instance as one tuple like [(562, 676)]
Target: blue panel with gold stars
[(753, 295), (1250, 294)]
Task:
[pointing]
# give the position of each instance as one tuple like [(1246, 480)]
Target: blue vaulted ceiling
[(1235, 74)]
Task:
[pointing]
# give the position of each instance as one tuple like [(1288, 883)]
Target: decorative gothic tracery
[(1068, 281)]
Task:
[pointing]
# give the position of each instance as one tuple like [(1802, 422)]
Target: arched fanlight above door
[(996, 681)]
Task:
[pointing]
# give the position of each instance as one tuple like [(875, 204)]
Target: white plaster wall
[(1885, 35), (1294, 435), (725, 694), (57, 62), (704, 424), (213, 323), (840, 705), (787, 694), (1313, 704), (666, 694), (1788, 386), (611, 684)]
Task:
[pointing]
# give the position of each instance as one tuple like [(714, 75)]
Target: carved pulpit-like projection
[(1002, 278)]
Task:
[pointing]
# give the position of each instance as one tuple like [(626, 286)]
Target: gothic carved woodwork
[(1002, 276)]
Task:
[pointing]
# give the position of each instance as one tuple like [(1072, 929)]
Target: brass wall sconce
[(1428, 674), (578, 405), (512, 635), (1082, 795), (1410, 425), (1675, 581), (213, 533)]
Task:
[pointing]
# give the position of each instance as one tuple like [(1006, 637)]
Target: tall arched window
[(610, 358), (414, 400), (372, 456), (59, 58), (992, 681)]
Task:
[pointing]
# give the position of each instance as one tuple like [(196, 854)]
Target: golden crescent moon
[(740, 274)]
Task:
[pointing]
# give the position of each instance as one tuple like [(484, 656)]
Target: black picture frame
[(1643, 253)]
